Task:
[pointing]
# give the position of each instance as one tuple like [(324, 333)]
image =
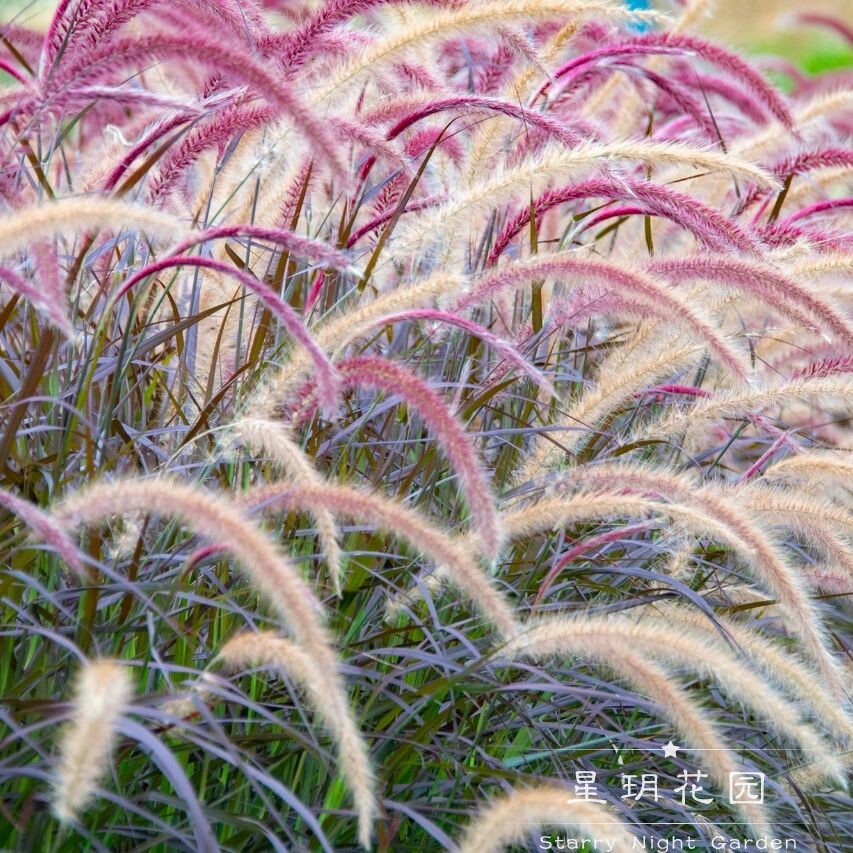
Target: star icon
[(670, 750)]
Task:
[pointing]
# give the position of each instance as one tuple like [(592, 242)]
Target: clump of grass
[(482, 368)]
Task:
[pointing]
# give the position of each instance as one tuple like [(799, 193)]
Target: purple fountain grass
[(301, 42), (125, 96), (773, 288), (495, 71), (511, 818), (420, 76), (583, 547), (251, 650), (273, 440), (375, 143), (393, 517), (801, 163), (670, 388), (709, 84), (653, 293), (96, 21), (780, 442), (759, 549), (218, 520), (106, 60), (299, 187), (726, 61), (675, 648), (242, 20), (684, 128), (673, 102), (610, 213), (831, 22), (155, 134), (681, 101), (558, 130), (821, 237), (732, 64), (13, 71), (829, 204), (303, 247), (785, 671), (827, 84), (570, 69), (780, 235), (418, 109), (520, 47), (569, 283), (381, 219), (420, 141), (81, 212), (503, 348), (46, 528), (52, 308), (392, 378), (214, 134), (587, 302), (57, 33), (103, 689), (708, 225), (327, 378), (827, 367)]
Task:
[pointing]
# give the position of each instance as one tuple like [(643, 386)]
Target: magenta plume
[(551, 127), (827, 367), (303, 41), (214, 134), (52, 309), (302, 247), (802, 163), (783, 293), (732, 64), (45, 528), (154, 135), (391, 378), (708, 226), (738, 97), (583, 547), (817, 207), (725, 60), (831, 22), (220, 56)]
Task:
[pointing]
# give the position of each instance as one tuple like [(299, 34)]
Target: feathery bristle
[(102, 690), (265, 648), (511, 818)]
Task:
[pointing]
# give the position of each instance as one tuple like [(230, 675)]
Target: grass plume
[(102, 690)]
